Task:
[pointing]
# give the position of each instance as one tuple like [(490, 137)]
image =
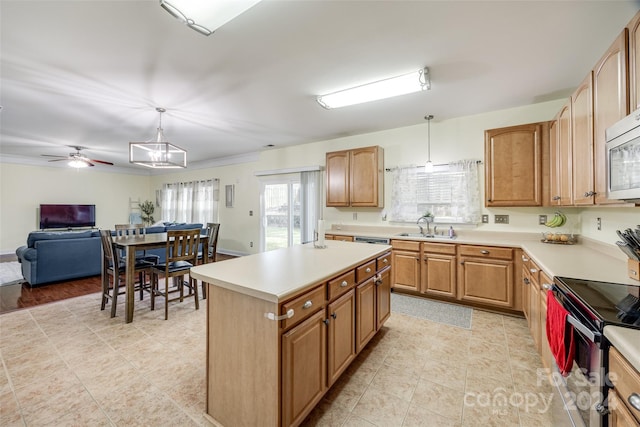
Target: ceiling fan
[(77, 159)]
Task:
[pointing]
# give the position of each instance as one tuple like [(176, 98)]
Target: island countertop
[(276, 275)]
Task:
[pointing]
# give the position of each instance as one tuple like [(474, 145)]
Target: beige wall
[(25, 187)]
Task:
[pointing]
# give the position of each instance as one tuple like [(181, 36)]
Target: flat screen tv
[(67, 216)]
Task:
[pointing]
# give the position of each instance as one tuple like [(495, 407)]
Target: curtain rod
[(409, 167)]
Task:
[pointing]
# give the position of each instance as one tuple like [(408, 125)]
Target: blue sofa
[(54, 256)]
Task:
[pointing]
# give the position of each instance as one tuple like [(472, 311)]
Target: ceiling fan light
[(77, 163), (400, 85)]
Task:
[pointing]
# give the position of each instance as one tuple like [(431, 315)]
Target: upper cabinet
[(560, 159), (355, 177), (582, 135), (513, 165), (610, 104), (634, 62)]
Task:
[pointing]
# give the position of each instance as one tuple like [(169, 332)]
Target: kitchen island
[(283, 325)]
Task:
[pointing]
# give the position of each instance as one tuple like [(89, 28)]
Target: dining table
[(134, 243)]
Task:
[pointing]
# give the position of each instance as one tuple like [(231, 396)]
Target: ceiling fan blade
[(58, 160), (102, 162), (52, 155)]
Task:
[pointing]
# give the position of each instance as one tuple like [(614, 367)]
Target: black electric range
[(601, 302)]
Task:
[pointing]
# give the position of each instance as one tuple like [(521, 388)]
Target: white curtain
[(451, 193), (311, 203), (191, 202)]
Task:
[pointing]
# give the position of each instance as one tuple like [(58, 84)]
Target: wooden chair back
[(127, 230), (108, 249), (213, 229), (182, 245)]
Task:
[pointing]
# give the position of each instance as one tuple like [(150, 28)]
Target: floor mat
[(435, 311), (10, 273)]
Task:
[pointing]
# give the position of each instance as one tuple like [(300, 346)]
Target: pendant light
[(428, 167), (158, 154)]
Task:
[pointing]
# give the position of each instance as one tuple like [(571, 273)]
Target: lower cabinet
[(304, 368), (438, 269), (625, 407), (366, 325), (406, 265), (485, 275), (341, 322), (383, 296), (545, 350)]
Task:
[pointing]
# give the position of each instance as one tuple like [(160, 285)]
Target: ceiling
[(91, 73)]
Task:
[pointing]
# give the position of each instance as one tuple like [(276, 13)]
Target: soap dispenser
[(451, 232)]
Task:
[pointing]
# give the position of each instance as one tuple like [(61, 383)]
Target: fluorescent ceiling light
[(206, 16), (382, 89)]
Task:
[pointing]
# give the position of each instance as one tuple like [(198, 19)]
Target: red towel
[(559, 334)]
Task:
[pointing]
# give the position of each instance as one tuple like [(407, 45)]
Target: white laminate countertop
[(627, 342), (276, 275)]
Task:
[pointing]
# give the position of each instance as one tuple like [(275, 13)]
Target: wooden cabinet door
[(486, 281), (634, 62), (564, 159), (619, 415), (610, 104), (366, 177), (545, 350), (554, 164), (383, 297), (513, 166), (439, 275), (338, 178), (582, 138), (342, 339), (304, 368), (366, 309), (526, 292), (534, 304), (406, 270)]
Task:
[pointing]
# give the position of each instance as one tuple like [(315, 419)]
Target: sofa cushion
[(34, 236)]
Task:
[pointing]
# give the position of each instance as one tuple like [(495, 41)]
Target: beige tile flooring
[(68, 363)]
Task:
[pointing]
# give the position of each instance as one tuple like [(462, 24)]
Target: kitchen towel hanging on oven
[(559, 334)]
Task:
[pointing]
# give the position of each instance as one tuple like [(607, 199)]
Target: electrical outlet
[(485, 219), (250, 244), (599, 223), (501, 219), (542, 219), (355, 216), (250, 213)]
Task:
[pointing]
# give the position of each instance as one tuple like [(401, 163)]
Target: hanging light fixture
[(428, 167), (158, 154)]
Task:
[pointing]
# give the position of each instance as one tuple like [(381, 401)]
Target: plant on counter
[(147, 209)]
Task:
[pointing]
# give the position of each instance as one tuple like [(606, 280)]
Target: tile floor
[(67, 363)]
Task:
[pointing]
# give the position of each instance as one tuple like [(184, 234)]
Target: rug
[(449, 314), (10, 273)]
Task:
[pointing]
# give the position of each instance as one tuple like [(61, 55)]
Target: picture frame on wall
[(229, 195)]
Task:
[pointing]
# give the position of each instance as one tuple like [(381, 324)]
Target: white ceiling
[(91, 73)]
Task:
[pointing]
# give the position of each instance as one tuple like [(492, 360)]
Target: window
[(451, 193), (191, 202)]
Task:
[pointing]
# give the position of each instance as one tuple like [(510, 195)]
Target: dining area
[(136, 261)]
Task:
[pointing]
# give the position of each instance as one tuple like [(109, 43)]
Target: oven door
[(583, 389)]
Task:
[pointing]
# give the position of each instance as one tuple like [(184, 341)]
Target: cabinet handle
[(344, 284), (634, 400), (307, 304), (589, 193), (547, 286), (533, 270), (556, 198), (489, 200), (272, 316), (484, 252), (368, 270), (385, 261), (334, 315), (461, 262), (326, 322), (526, 281), (525, 259)]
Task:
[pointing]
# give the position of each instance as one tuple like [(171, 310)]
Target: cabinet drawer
[(383, 261), (365, 271), (439, 248), (406, 245), (486, 252), (303, 306), (341, 284), (625, 378), (343, 238)]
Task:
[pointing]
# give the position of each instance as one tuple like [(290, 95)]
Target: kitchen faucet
[(420, 221)]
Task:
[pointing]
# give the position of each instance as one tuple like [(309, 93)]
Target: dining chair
[(132, 230), (115, 268), (213, 229), (181, 255)]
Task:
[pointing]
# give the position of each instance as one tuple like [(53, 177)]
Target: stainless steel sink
[(420, 235)]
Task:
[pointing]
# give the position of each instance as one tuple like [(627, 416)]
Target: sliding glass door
[(280, 214)]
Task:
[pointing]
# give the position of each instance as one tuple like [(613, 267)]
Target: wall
[(23, 188)]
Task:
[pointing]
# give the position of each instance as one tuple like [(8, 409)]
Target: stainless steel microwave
[(623, 158)]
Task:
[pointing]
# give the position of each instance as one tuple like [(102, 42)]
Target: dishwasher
[(372, 240)]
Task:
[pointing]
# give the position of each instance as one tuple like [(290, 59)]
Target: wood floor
[(16, 297)]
